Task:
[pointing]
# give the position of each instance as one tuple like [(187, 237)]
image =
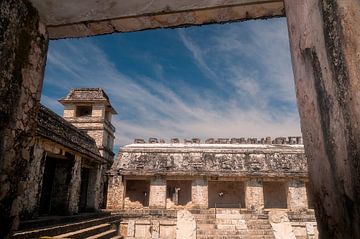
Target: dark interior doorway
[(275, 195), (55, 186), (138, 191), (85, 172), (179, 191), (226, 194)]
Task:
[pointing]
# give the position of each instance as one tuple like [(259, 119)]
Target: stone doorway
[(178, 192), (87, 190), (226, 194), (275, 195), (55, 186), (137, 193)]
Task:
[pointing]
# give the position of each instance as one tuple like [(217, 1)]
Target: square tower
[(90, 110)]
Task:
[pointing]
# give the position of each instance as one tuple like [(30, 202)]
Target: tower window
[(82, 111)]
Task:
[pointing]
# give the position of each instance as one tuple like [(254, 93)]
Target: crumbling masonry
[(237, 184)]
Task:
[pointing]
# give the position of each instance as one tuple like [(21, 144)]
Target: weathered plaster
[(115, 195), (74, 186), (157, 197), (69, 19), (254, 195), (23, 46), (325, 40)]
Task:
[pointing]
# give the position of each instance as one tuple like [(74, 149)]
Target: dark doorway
[(55, 186), (226, 194), (179, 191), (275, 195), (138, 191), (85, 172), (47, 187)]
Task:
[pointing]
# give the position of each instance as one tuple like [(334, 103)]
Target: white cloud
[(152, 109)]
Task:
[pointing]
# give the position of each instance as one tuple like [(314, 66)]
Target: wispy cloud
[(257, 101)]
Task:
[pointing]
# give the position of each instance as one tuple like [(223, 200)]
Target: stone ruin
[(235, 187)]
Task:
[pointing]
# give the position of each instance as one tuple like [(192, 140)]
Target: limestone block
[(199, 190), (131, 228), (167, 231), (74, 186), (33, 181), (157, 197), (115, 197), (281, 225), (155, 229), (142, 230), (254, 195), (296, 196), (185, 225)]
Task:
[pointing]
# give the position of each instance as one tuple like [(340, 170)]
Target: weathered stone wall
[(199, 193), (115, 197), (28, 204), (212, 159), (74, 186), (325, 47), (296, 195), (157, 198), (254, 195), (23, 47), (185, 225)]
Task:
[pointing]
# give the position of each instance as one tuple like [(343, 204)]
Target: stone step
[(86, 232), (220, 237), (229, 216), (117, 237), (104, 235), (58, 229), (260, 232)]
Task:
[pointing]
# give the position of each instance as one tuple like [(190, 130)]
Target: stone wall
[(32, 183), (254, 195), (199, 190), (212, 159), (23, 47), (115, 197), (157, 193)]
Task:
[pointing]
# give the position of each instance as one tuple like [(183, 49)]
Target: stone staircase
[(102, 226), (232, 224)]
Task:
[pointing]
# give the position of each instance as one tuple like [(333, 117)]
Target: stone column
[(74, 186), (23, 47), (254, 195), (199, 193), (157, 197), (325, 48), (115, 197), (29, 201), (296, 195)]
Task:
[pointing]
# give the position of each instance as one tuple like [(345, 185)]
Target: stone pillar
[(296, 195), (254, 195), (199, 193), (23, 47), (325, 48), (74, 186), (29, 201), (157, 197), (115, 197)]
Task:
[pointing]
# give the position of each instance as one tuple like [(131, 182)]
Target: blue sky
[(229, 80)]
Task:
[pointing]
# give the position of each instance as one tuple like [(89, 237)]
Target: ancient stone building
[(70, 157), (89, 109), (224, 187)]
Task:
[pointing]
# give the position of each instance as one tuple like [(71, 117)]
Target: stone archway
[(325, 48)]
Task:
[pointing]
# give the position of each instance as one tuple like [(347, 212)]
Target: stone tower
[(89, 109)]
